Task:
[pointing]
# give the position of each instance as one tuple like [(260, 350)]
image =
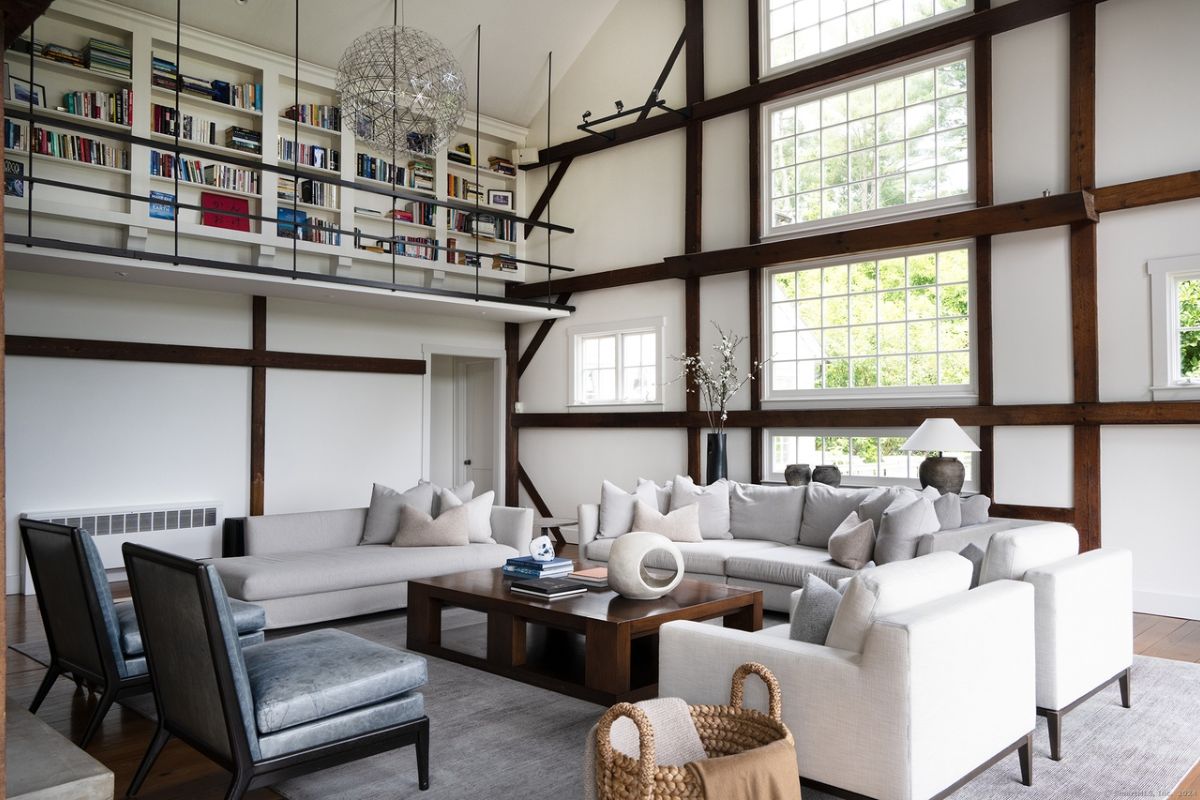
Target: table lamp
[(942, 472)]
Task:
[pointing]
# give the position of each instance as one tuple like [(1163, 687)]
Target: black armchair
[(267, 711)]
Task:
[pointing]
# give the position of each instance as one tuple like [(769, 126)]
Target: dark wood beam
[(929, 40), (1087, 485), (512, 384), (626, 276), (984, 196), (535, 496), (1040, 513), (1149, 192), (691, 346), (754, 289), (258, 407), (753, 237), (655, 92), (693, 211), (543, 201), (539, 336)]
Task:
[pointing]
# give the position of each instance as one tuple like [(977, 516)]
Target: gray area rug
[(495, 738)]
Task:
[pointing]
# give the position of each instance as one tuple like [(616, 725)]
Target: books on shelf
[(318, 194), (308, 155), (192, 170), (488, 226), (165, 73), (422, 175), (548, 588), (109, 58), (319, 116), (223, 211), (63, 55), (237, 138), (297, 224), (502, 165), (462, 188), (67, 146), (376, 169), (422, 247), (162, 205), (115, 107), (596, 577)]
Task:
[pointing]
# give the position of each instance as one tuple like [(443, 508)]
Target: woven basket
[(724, 731)]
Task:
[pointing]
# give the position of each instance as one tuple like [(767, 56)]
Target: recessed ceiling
[(517, 35)]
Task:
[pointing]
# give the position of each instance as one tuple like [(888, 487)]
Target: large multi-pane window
[(874, 324), (865, 457), (1175, 340), (884, 145), (617, 365), (797, 31)]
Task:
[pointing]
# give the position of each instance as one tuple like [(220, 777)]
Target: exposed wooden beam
[(755, 292), (258, 408), (755, 204), (939, 37), (653, 97), (543, 200), (535, 496), (626, 276), (1040, 513), (1087, 485), (1149, 192), (539, 336), (512, 384), (691, 346), (693, 211)]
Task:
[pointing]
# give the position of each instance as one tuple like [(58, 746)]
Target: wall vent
[(107, 523)]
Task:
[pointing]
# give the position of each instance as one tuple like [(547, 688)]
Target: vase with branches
[(717, 379)]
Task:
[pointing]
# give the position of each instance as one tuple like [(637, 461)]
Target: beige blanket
[(765, 773)]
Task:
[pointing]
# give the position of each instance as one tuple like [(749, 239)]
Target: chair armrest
[(1084, 612), (513, 527), (233, 537), (589, 525)]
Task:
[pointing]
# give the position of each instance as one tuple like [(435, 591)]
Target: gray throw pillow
[(975, 509), (904, 523), (772, 513), (383, 516), (418, 529), (814, 613), (479, 514), (713, 501), (463, 493), (616, 507), (662, 493), (949, 511), (852, 544), (824, 509), (878, 501), (973, 554)]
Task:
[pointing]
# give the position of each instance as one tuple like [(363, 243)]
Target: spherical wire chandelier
[(401, 90)]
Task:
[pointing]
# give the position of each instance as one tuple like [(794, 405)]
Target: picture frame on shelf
[(19, 90), (500, 198)]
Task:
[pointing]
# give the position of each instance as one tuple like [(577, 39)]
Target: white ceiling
[(517, 35)]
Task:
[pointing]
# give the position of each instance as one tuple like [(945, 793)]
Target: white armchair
[(1083, 612), (943, 687)]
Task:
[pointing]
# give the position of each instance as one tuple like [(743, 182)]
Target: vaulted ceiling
[(517, 35)]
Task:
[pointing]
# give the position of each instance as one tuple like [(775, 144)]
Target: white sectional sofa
[(761, 559), (306, 568)]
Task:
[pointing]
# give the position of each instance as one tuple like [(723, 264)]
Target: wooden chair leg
[(1126, 689), (1025, 754), (1054, 726), (423, 756), (107, 697), (156, 745), (52, 673)]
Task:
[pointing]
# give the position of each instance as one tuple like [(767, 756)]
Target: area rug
[(495, 738)]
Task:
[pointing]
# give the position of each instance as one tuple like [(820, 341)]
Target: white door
[(476, 431)]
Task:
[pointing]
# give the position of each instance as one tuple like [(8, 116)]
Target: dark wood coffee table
[(618, 637)]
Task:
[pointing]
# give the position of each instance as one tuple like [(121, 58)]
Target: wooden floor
[(181, 773)]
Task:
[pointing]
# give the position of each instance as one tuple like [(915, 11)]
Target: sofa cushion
[(248, 618), (418, 529), (703, 558), (479, 513), (824, 509), (308, 572), (975, 509), (311, 676), (713, 501), (766, 512), (813, 613), (948, 508), (853, 543), (680, 525), (1012, 553), (877, 502), (383, 515), (461, 493), (617, 505), (904, 523), (786, 565)]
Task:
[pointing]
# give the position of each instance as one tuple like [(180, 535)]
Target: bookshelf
[(266, 102)]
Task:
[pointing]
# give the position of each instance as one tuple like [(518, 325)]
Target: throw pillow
[(813, 614), (479, 514), (463, 493), (383, 515), (662, 493), (680, 525), (948, 508), (973, 554), (772, 513), (852, 544), (824, 509), (975, 509), (904, 523), (713, 501), (616, 507), (877, 502), (418, 529)]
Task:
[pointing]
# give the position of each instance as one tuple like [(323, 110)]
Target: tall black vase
[(717, 466)]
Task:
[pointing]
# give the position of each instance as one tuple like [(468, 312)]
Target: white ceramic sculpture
[(627, 573)]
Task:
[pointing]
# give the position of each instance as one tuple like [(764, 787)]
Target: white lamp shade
[(941, 434)]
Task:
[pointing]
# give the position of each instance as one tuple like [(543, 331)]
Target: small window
[(893, 143), (795, 32), (865, 458), (1175, 312), (618, 364)]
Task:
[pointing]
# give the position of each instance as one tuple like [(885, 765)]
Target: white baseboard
[(12, 583), (1167, 605)]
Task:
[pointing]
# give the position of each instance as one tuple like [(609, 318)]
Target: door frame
[(496, 354)]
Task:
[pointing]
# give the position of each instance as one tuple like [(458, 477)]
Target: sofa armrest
[(589, 526), (513, 527), (1084, 611)]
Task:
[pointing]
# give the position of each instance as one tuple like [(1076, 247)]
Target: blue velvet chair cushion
[(312, 676), (247, 617), (358, 722), (95, 566)]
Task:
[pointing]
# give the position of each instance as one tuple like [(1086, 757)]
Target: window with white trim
[(1175, 312), (891, 323), (892, 143), (865, 458), (617, 364), (795, 32)]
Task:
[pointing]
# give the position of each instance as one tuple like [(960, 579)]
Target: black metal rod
[(178, 120), (295, 146), (31, 127), (478, 80), (550, 197)]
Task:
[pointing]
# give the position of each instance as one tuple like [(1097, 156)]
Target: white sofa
[(755, 562), (944, 683), (306, 568)]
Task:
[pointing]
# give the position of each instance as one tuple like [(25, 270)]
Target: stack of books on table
[(596, 577), (526, 567), (548, 588)]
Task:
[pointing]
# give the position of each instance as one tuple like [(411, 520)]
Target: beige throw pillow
[(418, 529), (853, 543), (479, 513), (680, 525)]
